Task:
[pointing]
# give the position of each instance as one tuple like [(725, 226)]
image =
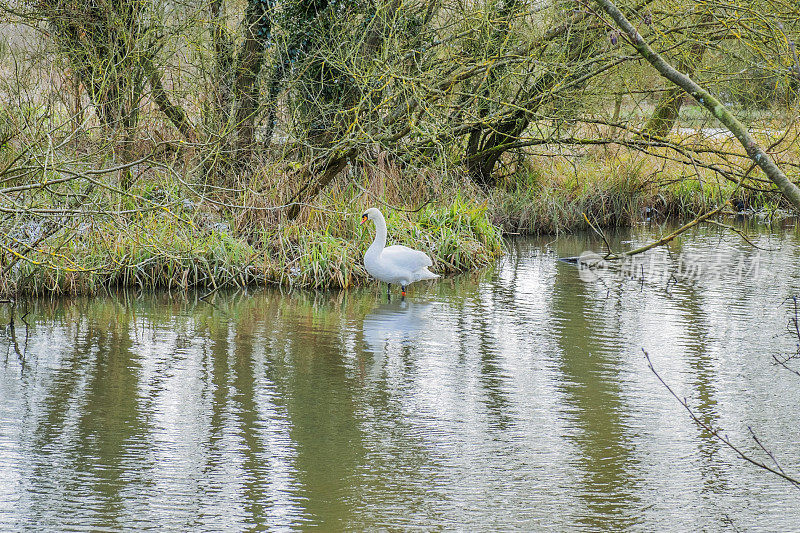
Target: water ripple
[(519, 400)]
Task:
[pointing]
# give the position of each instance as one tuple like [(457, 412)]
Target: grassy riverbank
[(163, 235), (193, 246), (617, 193)]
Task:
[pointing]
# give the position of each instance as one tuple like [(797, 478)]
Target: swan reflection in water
[(396, 323)]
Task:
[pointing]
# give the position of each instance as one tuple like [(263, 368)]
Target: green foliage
[(184, 249), (459, 236), (493, 114)]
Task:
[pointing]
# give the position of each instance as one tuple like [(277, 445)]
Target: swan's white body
[(397, 264)]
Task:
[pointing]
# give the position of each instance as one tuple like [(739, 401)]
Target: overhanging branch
[(789, 190)]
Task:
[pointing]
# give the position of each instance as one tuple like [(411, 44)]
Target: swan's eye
[(364, 217)]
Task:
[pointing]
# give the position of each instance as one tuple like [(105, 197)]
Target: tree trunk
[(245, 84), (174, 113), (479, 161), (487, 145), (669, 105), (316, 176), (617, 106), (223, 62), (790, 191)]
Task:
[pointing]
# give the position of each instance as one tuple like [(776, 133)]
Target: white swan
[(394, 264)]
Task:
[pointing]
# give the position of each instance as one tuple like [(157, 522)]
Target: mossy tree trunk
[(222, 75), (789, 190), (487, 143), (103, 42), (173, 112), (669, 105), (250, 59), (479, 165)]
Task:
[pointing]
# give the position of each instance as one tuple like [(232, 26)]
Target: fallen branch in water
[(611, 256), (741, 234), (671, 236)]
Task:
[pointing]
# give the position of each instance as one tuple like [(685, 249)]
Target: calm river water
[(517, 399)]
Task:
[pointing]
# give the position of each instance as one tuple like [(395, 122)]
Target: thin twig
[(715, 432), (602, 235), (742, 235)]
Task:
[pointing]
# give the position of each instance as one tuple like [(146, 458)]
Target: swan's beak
[(363, 218)]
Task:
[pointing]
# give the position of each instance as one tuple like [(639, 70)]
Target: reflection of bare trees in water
[(11, 335)]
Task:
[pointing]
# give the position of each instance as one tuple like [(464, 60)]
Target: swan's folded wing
[(406, 258)]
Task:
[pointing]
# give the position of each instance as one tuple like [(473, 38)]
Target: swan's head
[(370, 214)]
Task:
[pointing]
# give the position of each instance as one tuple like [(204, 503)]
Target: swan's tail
[(424, 273)]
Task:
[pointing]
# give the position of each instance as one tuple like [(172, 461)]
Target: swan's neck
[(380, 236)]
